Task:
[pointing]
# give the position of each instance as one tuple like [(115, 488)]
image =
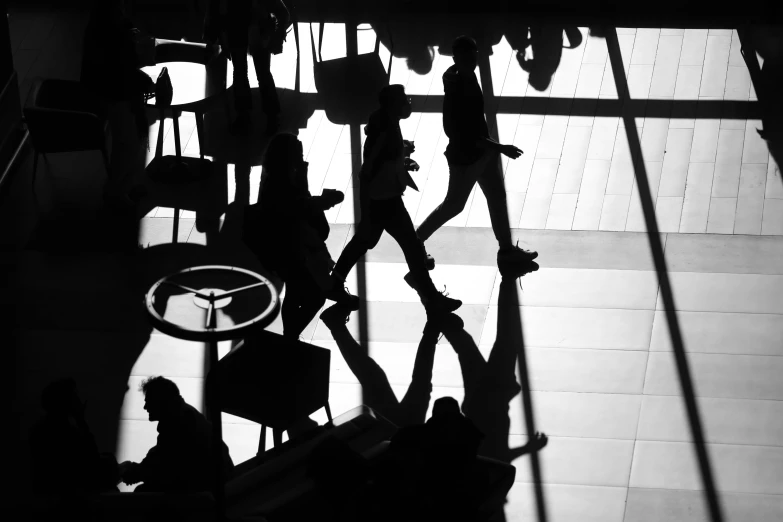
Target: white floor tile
[(741, 469), (772, 220), (749, 293), (614, 212), (579, 461), (609, 329), (725, 421), (696, 204), (721, 216), (721, 332), (717, 375)]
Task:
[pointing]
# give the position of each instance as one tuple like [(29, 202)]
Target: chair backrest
[(272, 380), (61, 118), (174, 51)]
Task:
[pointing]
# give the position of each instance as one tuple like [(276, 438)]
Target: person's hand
[(333, 197), (411, 165), (408, 147), (511, 151), (538, 441)]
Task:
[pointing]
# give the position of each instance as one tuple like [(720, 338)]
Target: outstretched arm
[(536, 443)]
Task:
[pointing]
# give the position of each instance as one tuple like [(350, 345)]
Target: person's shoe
[(516, 270), (430, 262), (341, 296), (411, 281), (514, 255), (240, 127), (440, 303), (335, 316)]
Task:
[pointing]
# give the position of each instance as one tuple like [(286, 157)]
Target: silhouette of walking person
[(181, 459), (258, 26), (491, 384), (376, 389), (63, 447), (383, 179), (472, 155), (287, 229)]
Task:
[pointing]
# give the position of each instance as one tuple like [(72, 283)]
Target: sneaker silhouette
[(335, 316), (440, 303), (343, 297), (508, 258)]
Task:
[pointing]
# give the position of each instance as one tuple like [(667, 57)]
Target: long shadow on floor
[(491, 384)]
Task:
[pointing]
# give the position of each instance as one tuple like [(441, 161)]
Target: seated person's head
[(284, 158), (395, 102), (465, 53), (161, 398), (445, 406), (60, 398)]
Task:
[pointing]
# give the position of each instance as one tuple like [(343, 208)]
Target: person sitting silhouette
[(62, 445), (181, 461), (287, 230), (383, 179)]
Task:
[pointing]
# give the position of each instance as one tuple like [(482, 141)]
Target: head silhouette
[(420, 60), (395, 102), (465, 52), (162, 399), (60, 398), (445, 406), (284, 160)]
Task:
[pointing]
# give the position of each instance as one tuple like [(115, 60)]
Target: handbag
[(349, 86), (164, 91)]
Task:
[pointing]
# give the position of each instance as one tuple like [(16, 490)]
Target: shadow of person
[(62, 442), (491, 385), (769, 89), (546, 42), (409, 38), (376, 388)]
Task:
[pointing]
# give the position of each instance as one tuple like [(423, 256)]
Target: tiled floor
[(603, 377)]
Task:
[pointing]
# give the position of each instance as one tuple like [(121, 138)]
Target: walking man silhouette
[(472, 155), (384, 178)]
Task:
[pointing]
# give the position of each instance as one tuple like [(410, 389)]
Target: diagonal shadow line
[(352, 50), (659, 259), (514, 331)]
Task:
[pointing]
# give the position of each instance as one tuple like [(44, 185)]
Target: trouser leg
[(494, 188), (243, 102), (462, 178), (399, 225), (367, 235), (302, 301), (262, 60)]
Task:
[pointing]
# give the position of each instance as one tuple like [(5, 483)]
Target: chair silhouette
[(174, 51), (273, 381), (61, 116)]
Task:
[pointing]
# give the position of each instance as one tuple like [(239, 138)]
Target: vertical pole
[(352, 50), (215, 417)]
